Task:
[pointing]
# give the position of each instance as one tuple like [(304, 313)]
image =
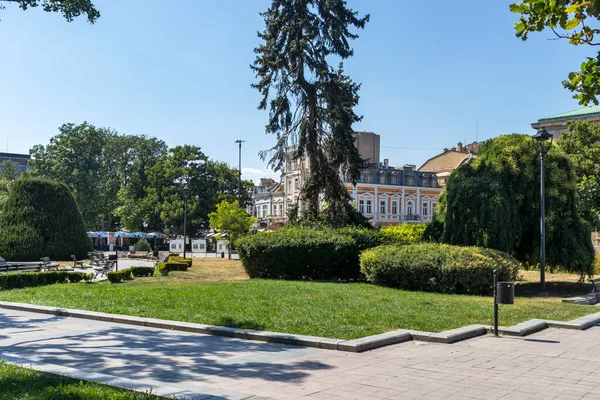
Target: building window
[(289, 186), (382, 179), (281, 210), (409, 208), (361, 206), (425, 208), (265, 210), (382, 207), (395, 207), (274, 210), (369, 209), (296, 184), (433, 207)]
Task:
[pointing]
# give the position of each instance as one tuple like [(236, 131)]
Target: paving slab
[(553, 363)]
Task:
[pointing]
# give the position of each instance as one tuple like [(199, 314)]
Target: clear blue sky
[(179, 70)]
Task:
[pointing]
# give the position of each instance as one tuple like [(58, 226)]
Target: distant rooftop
[(581, 112)]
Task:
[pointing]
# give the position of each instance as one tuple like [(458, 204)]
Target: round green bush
[(433, 267), (305, 253), (41, 219), (142, 245)]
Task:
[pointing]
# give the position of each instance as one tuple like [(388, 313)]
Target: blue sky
[(179, 70)]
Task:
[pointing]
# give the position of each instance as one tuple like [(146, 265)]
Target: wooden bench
[(29, 267), (595, 284)]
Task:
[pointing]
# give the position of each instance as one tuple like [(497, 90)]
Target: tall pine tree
[(310, 103)]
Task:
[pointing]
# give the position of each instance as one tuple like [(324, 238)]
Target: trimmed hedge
[(179, 259), (407, 233), (16, 280), (305, 253), (169, 266), (142, 271), (119, 276), (41, 219), (439, 268)]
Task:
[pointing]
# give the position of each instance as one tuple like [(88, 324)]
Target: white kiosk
[(221, 245), (198, 246), (176, 246)]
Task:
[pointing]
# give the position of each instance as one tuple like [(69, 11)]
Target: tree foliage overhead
[(494, 202), (572, 20), (70, 9), (41, 219), (310, 103), (582, 144)]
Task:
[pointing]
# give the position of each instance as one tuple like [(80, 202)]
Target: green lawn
[(337, 310), (22, 383)]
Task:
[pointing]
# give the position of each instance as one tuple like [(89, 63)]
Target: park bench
[(25, 267), (48, 265), (595, 283), (76, 262)]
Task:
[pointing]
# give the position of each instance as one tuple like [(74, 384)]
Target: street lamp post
[(542, 142), (239, 142), (186, 194)]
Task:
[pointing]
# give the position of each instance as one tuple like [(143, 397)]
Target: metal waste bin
[(505, 293), (155, 254), (112, 257), (222, 254)]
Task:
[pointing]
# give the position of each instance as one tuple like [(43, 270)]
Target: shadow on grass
[(554, 289), (240, 323), (17, 382)]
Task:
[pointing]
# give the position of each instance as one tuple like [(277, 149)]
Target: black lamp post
[(542, 142), (186, 194), (145, 225)]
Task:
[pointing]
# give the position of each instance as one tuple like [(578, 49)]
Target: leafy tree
[(582, 144), (494, 202), (70, 9), (311, 104), (8, 170), (40, 218), (575, 21), (75, 157), (231, 219)]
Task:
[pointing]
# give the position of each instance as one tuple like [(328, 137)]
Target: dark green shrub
[(142, 271), (40, 218), (436, 267), (142, 245), (119, 276), (304, 253), (407, 233), (169, 266), (15, 280)]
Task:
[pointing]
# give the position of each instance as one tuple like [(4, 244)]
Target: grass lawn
[(23, 383), (217, 292)]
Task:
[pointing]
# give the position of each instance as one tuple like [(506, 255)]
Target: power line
[(409, 148)]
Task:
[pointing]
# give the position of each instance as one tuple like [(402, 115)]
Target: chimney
[(386, 163), (445, 149), (459, 147)]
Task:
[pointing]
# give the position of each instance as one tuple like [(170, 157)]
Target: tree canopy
[(494, 202), (311, 105), (575, 21), (582, 144), (70, 9), (123, 180)]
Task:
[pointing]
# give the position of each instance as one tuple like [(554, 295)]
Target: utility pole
[(239, 142)]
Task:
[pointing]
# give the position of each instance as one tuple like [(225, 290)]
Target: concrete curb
[(357, 345)]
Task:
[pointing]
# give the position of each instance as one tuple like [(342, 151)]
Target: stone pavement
[(553, 364)]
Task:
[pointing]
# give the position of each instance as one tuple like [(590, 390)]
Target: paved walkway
[(555, 363)]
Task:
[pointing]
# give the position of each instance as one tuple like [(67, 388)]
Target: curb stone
[(356, 345)]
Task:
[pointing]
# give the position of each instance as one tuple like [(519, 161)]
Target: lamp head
[(540, 139)]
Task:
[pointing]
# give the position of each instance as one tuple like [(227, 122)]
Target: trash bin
[(222, 254), (505, 293), (112, 257), (155, 254)]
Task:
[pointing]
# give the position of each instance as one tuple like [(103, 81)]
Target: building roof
[(581, 112), (446, 161)]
